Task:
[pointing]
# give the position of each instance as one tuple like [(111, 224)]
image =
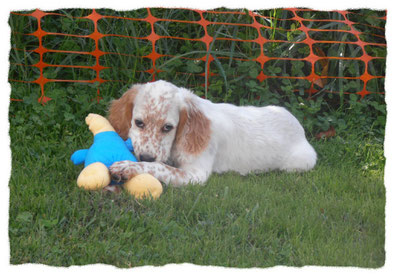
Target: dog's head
[(159, 118)]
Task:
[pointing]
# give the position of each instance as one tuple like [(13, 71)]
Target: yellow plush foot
[(93, 177), (144, 185)]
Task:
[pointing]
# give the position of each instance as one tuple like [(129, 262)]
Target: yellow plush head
[(144, 185), (98, 123)]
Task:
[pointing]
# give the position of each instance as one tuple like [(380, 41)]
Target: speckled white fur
[(242, 139)]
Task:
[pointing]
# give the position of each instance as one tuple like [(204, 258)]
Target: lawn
[(333, 215)]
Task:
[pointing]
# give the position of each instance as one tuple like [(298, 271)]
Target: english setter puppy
[(181, 138)]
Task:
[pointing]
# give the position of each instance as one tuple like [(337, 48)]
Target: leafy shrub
[(235, 74)]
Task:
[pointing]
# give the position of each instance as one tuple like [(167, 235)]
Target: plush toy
[(108, 147), (144, 185)]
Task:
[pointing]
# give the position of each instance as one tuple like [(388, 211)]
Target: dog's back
[(257, 139)]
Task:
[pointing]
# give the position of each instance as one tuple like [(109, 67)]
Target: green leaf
[(69, 116), (140, 230), (24, 217), (48, 223), (353, 97), (253, 73), (192, 67)]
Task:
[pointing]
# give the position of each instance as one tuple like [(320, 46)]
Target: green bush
[(233, 72)]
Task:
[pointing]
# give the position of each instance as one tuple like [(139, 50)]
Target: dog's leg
[(125, 170)]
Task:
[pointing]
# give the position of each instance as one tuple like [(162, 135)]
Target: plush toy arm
[(79, 156), (129, 144)]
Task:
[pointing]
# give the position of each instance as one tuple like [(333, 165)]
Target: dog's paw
[(124, 170)]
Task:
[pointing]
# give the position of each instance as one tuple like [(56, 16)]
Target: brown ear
[(194, 129), (121, 112)]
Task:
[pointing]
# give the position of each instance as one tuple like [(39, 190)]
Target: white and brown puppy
[(181, 138)]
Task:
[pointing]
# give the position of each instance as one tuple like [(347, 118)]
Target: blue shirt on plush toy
[(108, 147)]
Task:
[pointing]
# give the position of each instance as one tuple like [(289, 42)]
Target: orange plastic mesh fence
[(266, 45)]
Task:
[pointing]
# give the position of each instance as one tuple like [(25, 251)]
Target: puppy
[(181, 138)]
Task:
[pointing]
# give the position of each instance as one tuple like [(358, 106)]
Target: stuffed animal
[(107, 148), (144, 186)]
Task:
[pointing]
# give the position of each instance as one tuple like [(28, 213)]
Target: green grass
[(333, 215)]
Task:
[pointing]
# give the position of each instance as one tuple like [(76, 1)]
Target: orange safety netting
[(319, 62)]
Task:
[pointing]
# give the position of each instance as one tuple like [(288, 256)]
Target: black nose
[(147, 158)]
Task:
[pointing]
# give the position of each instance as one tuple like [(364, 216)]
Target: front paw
[(124, 170)]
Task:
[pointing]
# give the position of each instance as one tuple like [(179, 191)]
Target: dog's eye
[(139, 123), (167, 128)]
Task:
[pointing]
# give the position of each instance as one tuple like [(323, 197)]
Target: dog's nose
[(147, 158)]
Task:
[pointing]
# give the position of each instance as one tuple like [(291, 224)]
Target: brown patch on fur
[(121, 112), (181, 125), (155, 122), (176, 172), (194, 130)]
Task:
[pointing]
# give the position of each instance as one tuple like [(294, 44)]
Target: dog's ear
[(121, 112), (194, 129)]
